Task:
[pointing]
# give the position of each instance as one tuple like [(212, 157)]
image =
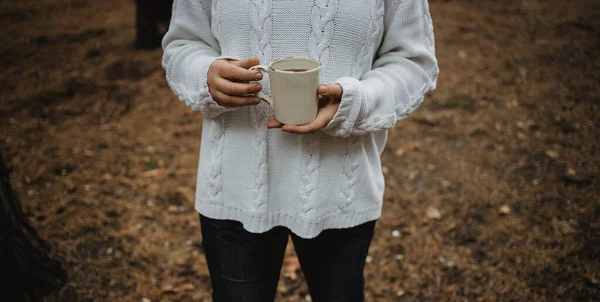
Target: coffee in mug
[(294, 83)]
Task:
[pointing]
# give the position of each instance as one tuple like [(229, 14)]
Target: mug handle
[(260, 95)]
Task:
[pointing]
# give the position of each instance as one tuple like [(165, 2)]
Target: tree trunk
[(153, 18), (27, 271)]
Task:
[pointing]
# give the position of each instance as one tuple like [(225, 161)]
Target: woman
[(260, 181)]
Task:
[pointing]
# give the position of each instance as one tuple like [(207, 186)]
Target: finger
[(320, 122), (273, 123), (331, 89), (235, 89), (234, 101), (239, 74), (247, 63)]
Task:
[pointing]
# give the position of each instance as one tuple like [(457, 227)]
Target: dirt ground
[(492, 185)]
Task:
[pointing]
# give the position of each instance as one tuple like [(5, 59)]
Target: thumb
[(248, 62)]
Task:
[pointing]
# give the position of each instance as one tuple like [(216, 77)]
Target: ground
[(492, 185)]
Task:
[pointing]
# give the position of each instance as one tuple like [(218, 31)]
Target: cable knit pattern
[(322, 16), (260, 19), (215, 180), (351, 166), (259, 120), (376, 29), (310, 177), (381, 52)]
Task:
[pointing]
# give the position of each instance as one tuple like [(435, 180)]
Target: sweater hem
[(303, 227)]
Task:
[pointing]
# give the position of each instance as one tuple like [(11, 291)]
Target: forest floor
[(492, 185)]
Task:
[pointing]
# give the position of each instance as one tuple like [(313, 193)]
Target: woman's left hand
[(330, 96)]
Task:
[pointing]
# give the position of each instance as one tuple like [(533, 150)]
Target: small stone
[(462, 54), (535, 182), (150, 203), (385, 170), (504, 209), (109, 250), (520, 125), (442, 259), (31, 192), (87, 187), (399, 257), (400, 293), (181, 208), (396, 233), (498, 126), (369, 259), (146, 300), (308, 298), (450, 263), (430, 167), (521, 136), (167, 244), (189, 242), (433, 213), (571, 172), (399, 152)]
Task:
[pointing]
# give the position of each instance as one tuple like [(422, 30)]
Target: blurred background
[(492, 185)]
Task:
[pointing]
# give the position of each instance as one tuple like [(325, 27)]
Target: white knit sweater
[(380, 51)]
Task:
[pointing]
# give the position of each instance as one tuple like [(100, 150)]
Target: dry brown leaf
[(89, 153), (155, 172), (184, 287), (552, 154), (433, 213), (167, 288), (290, 266)]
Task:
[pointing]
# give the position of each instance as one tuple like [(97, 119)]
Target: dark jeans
[(245, 267)]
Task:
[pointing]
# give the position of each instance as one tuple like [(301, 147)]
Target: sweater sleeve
[(189, 48), (405, 69)]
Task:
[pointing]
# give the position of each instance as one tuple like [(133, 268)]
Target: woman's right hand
[(229, 82)]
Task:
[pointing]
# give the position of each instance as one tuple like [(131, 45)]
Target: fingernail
[(258, 76), (322, 89), (258, 88)]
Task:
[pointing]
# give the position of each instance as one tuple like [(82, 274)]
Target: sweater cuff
[(207, 105), (344, 119)]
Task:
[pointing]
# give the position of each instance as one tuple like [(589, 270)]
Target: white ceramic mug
[(294, 83)]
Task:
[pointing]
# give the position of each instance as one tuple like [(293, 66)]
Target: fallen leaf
[(433, 213), (552, 154), (504, 209), (155, 172), (173, 209), (445, 184), (167, 288), (290, 266), (184, 287), (89, 153)]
